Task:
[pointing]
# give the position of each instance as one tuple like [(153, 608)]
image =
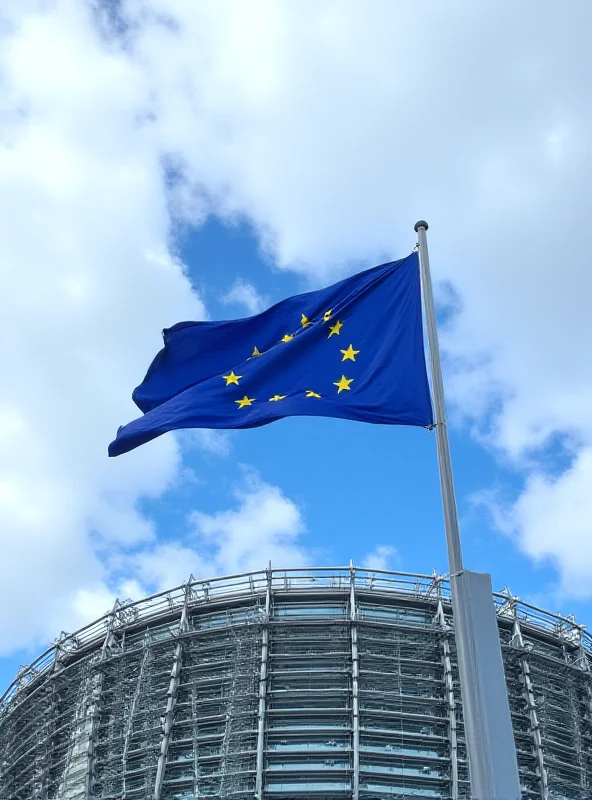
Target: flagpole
[(446, 482), (488, 724)]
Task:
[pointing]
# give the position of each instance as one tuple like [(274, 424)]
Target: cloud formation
[(332, 126), (87, 279), (262, 525), (383, 556), (244, 294), (475, 118)]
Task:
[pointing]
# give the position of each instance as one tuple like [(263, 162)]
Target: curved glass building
[(313, 683)]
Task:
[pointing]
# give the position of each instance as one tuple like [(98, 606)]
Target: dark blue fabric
[(377, 312)]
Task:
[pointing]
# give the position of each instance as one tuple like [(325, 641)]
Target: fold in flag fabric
[(353, 350)]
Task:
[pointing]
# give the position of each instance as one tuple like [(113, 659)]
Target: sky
[(164, 160)]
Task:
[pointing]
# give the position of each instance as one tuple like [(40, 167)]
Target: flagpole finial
[(421, 224)]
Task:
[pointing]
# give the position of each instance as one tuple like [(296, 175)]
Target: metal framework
[(449, 685), (311, 683), (263, 689)]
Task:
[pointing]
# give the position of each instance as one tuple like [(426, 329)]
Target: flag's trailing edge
[(353, 350)]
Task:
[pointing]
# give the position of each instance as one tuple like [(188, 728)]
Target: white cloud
[(168, 564), (477, 119), (382, 557), (244, 294), (332, 126), (212, 441), (552, 522), (87, 282), (263, 525)]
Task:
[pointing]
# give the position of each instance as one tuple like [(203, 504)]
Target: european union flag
[(353, 350)]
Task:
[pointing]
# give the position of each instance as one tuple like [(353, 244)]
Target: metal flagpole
[(486, 712)]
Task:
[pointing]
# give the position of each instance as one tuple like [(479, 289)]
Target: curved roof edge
[(196, 592)]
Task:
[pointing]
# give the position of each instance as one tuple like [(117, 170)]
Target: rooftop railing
[(304, 580)]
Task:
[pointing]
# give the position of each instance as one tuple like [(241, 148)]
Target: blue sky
[(359, 487), (187, 162)]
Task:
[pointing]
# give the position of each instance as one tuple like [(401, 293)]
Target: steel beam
[(94, 715), (44, 751), (130, 717), (575, 668), (450, 699), (170, 706), (518, 641), (353, 616), (194, 716), (95, 709), (263, 691)]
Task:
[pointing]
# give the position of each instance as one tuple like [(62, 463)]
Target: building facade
[(314, 683)]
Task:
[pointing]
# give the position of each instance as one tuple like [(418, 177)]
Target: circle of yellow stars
[(343, 384)]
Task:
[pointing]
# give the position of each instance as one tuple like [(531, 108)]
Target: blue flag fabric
[(353, 350)]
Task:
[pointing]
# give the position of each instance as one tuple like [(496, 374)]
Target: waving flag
[(353, 350)]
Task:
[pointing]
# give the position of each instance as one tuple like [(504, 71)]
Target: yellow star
[(246, 401), (255, 353), (232, 378), (327, 316), (343, 384), (334, 329), (277, 397), (349, 353), (310, 393), (288, 337), (305, 322)]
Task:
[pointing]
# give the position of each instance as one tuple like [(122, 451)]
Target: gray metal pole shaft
[(486, 711), (446, 481)]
